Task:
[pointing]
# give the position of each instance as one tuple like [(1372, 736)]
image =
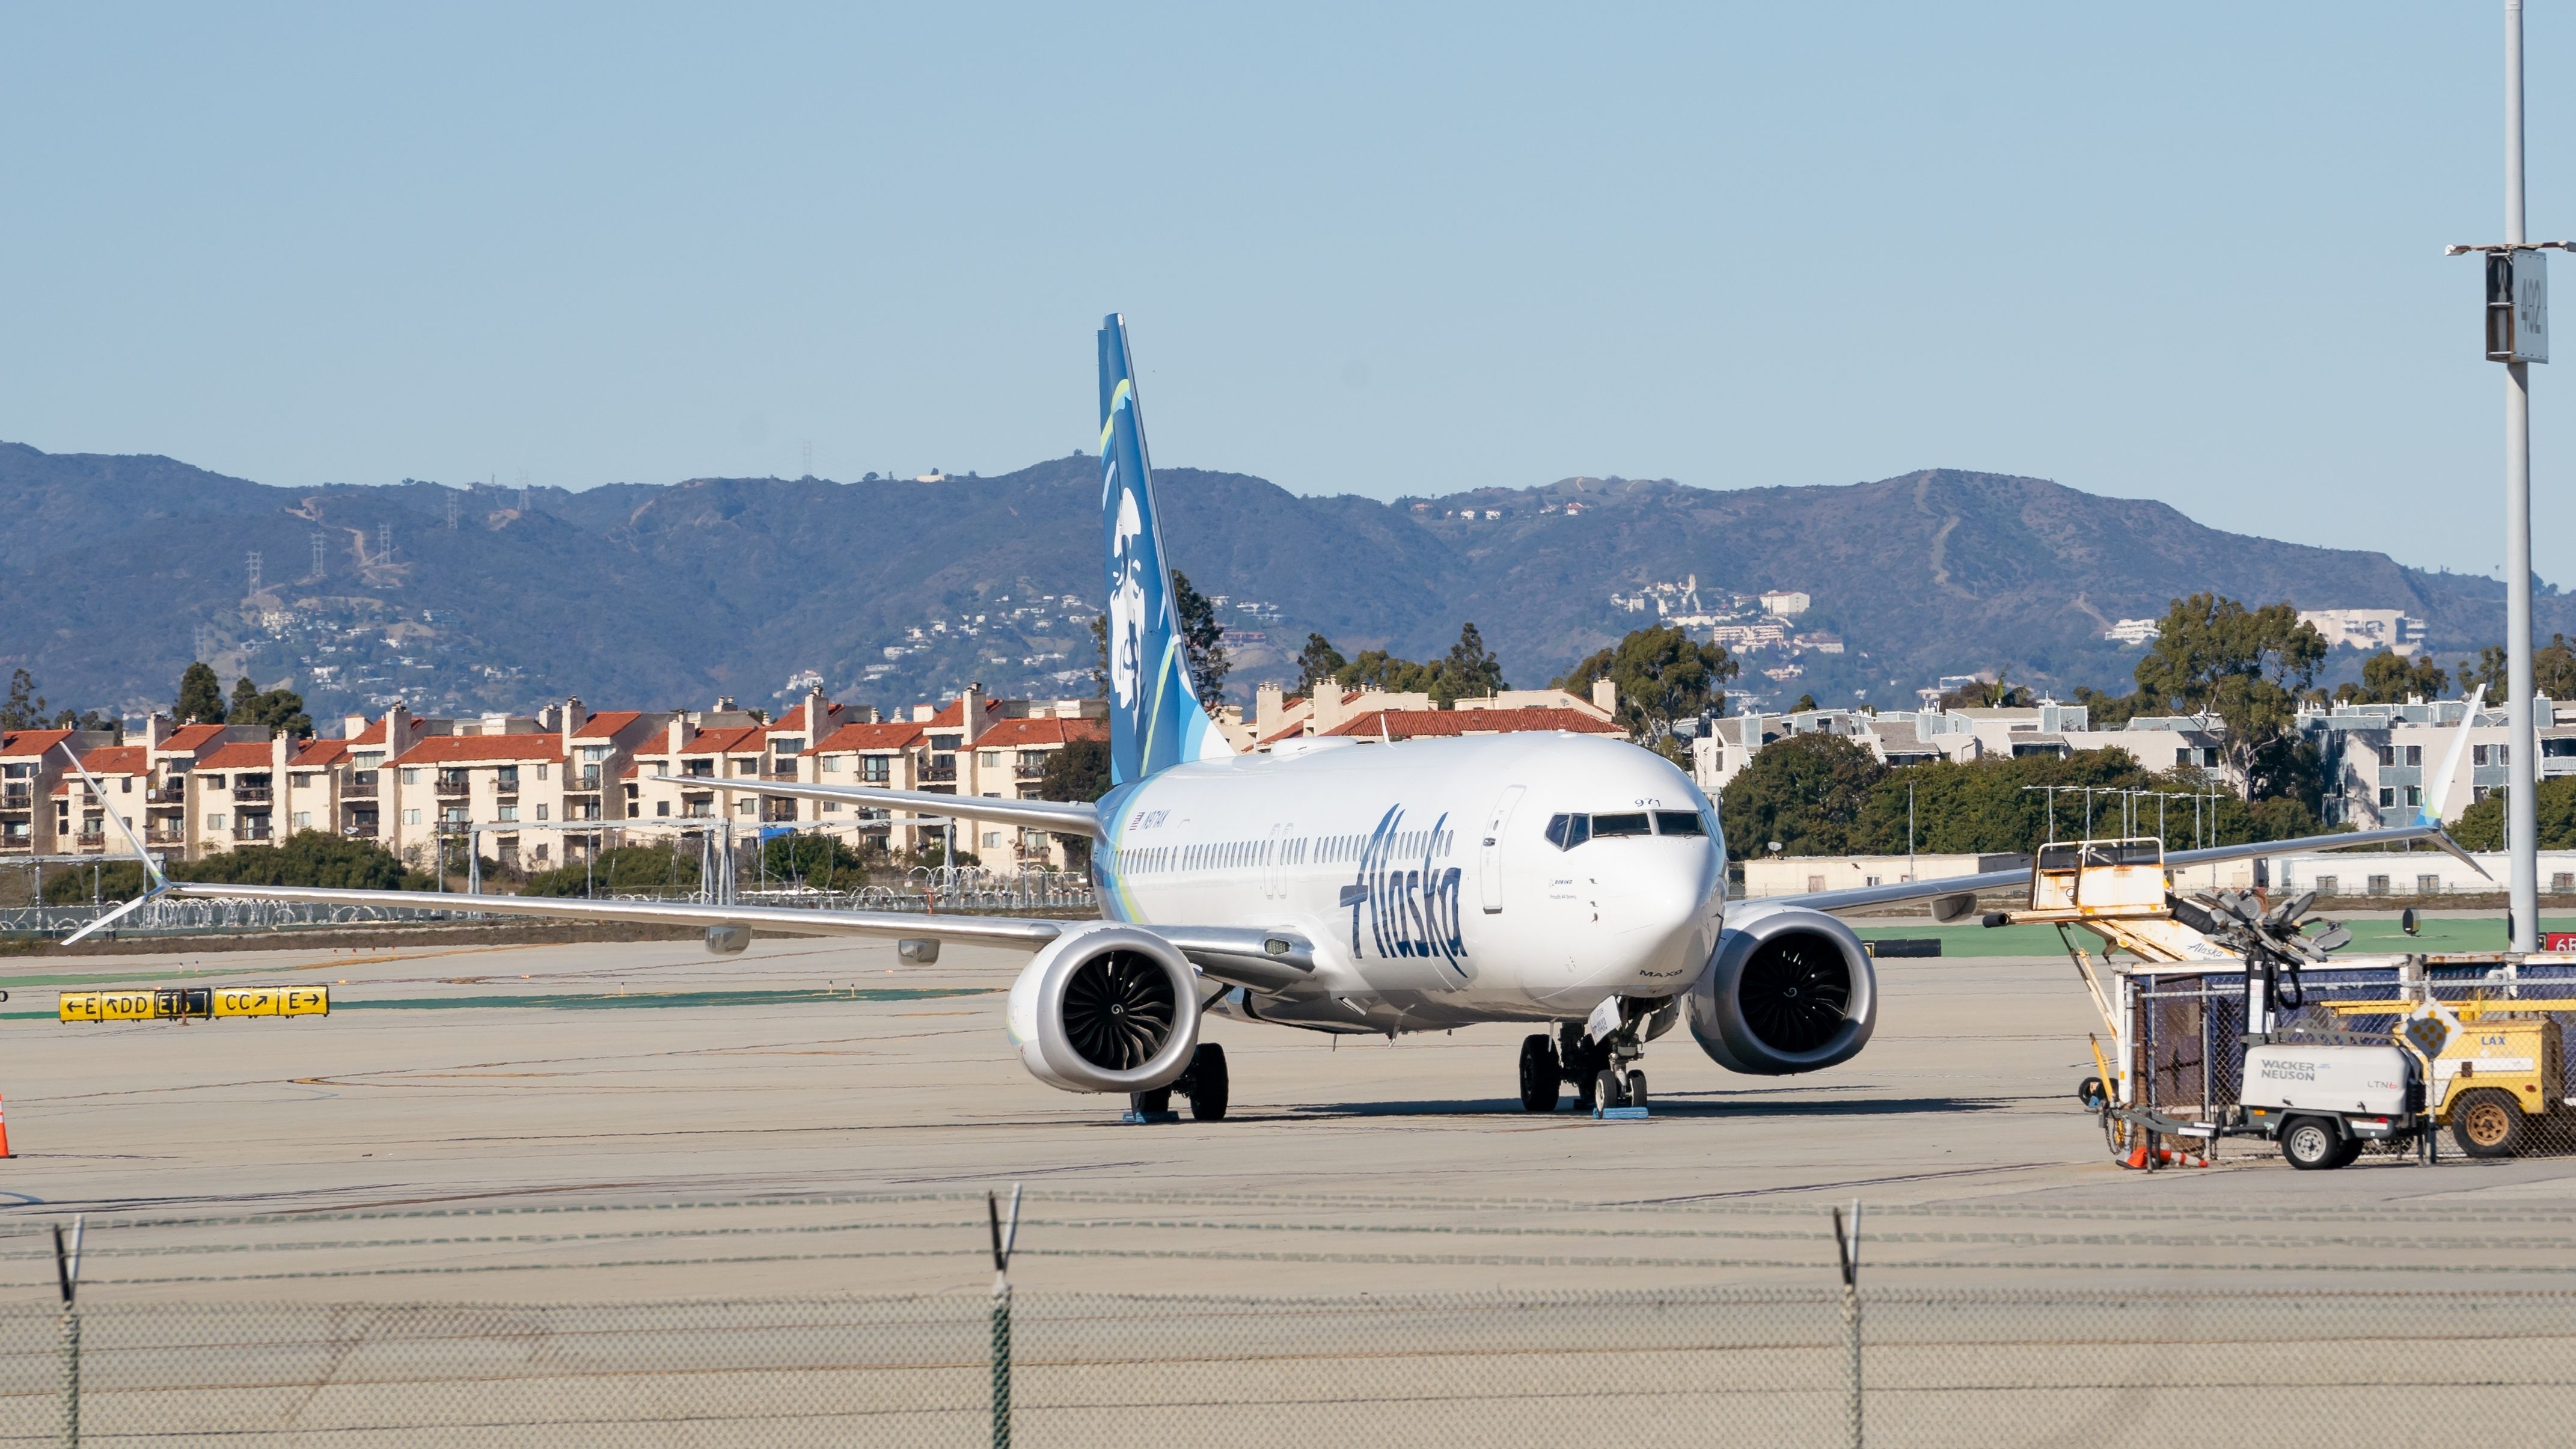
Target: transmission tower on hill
[(253, 563)]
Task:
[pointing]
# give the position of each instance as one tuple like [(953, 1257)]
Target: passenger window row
[(1296, 850)]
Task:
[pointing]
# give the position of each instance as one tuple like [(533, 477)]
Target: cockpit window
[(1568, 831)]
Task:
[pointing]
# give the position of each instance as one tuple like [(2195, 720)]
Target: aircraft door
[(1270, 861), (1489, 853)]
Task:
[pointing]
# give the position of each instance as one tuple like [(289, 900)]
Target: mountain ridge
[(121, 568)]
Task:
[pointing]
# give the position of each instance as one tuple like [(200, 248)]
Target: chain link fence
[(1687, 1367)]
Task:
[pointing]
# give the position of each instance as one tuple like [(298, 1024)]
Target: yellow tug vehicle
[(2491, 1085)]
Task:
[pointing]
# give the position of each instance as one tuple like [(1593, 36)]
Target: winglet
[(154, 881), (98, 792), (2429, 810), (2443, 842)]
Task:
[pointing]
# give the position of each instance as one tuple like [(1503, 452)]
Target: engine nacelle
[(1106, 1009), (1787, 990)]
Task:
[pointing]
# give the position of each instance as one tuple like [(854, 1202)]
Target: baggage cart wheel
[(2312, 1144), (2488, 1123)]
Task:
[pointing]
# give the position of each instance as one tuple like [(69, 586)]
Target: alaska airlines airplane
[(1341, 885)]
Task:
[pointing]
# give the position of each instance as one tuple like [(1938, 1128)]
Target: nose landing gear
[(1602, 1073)]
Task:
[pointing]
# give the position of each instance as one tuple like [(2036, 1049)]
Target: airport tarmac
[(645, 1120)]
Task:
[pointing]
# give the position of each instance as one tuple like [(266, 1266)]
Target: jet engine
[(1110, 1009), (1787, 990)]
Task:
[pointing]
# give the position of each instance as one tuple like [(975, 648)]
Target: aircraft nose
[(1662, 908)]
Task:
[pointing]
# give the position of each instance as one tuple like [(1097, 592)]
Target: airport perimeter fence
[(1687, 1367)]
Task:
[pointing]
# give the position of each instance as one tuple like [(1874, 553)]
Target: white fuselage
[(1427, 875)]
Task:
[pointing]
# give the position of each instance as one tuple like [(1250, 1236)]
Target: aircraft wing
[(1967, 886), (787, 920), (1238, 956), (1065, 817)]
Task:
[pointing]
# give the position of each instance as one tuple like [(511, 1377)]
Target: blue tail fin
[(1155, 720)]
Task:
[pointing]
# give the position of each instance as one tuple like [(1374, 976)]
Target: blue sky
[(2189, 253)]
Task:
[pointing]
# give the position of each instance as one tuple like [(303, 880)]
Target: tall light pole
[(2517, 335)]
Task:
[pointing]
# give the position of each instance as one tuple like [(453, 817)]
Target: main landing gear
[(1204, 1084), (1603, 1073)]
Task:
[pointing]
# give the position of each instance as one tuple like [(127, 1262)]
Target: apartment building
[(32, 765), (1375, 713), (973, 745), (2382, 760), (1724, 747)]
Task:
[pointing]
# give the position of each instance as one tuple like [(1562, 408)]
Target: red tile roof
[(1024, 733), (236, 755), (188, 739), (1292, 731), (889, 735), (479, 749), (1407, 724), (606, 723), (317, 753), (31, 742), (953, 713), (117, 760), (726, 740)]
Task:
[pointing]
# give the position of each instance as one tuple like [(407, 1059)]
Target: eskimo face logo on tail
[(1126, 605), (1405, 908)]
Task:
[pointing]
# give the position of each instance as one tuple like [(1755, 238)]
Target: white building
[(2368, 630)]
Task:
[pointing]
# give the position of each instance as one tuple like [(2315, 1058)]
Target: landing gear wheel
[(2312, 1144), (1206, 1083), (1606, 1090), (1541, 1074), (2488, 1123), (1587, 1091), (1636, 1089)]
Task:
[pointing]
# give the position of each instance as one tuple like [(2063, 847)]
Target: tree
[(201, 696), (2110, 711), (2553, 668), (1470, 670), (821, 861), (1317, 663), (2491, 669), (1805, 702), (1202, 641), (1100, 656), (1805, 791), (1662, 675), (1079, 771), (2247, 666), (24, 709), (2481, 826), (2388, 678), (276, 711), (626, 868)]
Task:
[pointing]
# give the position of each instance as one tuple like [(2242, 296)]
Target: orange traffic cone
[(4, 1132), (2137, 1155)]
